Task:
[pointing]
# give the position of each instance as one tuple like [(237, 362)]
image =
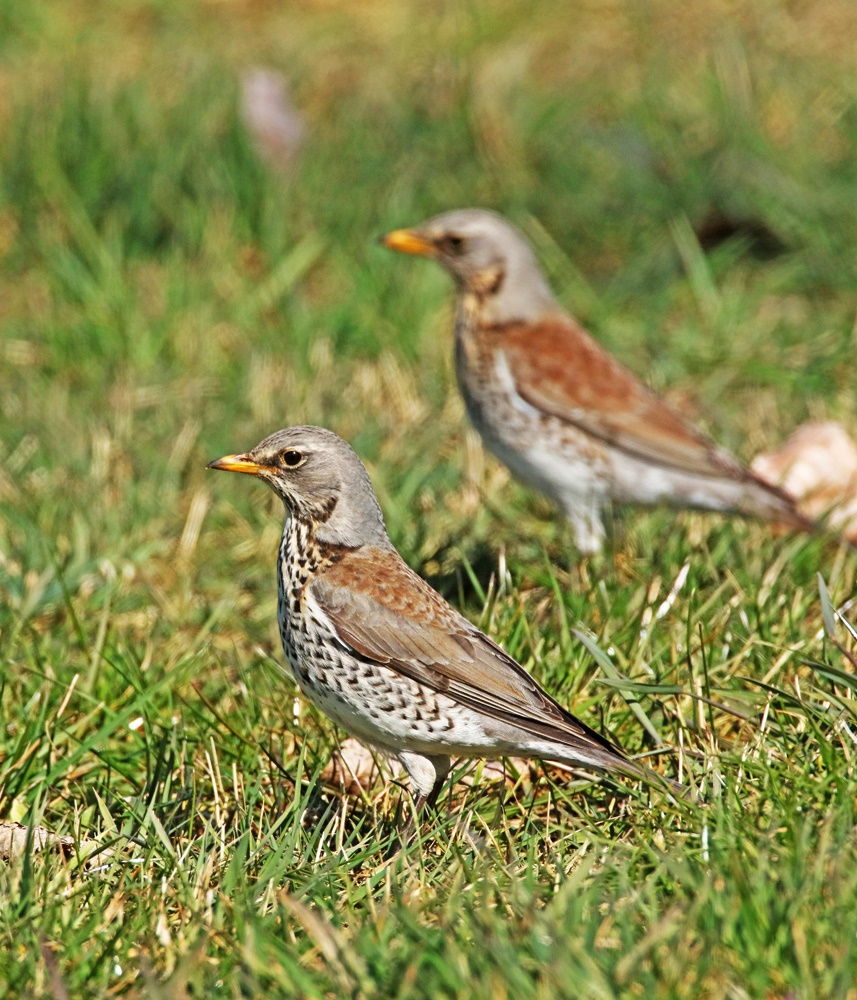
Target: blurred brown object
[(353, 768), (14, 836), (818, 466), (16, 840), (270, 117)]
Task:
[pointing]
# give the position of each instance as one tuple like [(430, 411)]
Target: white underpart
[(547, 750), (640, 482)]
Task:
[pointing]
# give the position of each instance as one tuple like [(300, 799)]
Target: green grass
[(164, 300)]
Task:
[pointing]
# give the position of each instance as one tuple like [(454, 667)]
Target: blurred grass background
[(687, 174)]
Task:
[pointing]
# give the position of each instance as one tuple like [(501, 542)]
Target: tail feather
[(634, 769), (611, 760), (772, 503)]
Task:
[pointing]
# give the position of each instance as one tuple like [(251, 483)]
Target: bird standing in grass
[(379, 651), (563, 414)]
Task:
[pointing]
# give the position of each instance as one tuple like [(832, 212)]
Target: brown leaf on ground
[(14, 836), (818, 466), (13, 840)]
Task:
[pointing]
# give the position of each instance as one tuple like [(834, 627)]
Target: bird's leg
[(424, 803), (432, 797), (585, 517), (427, 775)]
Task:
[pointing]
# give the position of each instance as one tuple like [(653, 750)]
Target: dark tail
[(771, 503)]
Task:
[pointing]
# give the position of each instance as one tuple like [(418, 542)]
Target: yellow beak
[(236, 463), (409, 241)]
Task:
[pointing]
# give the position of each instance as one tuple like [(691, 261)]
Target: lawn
[(687, 176)]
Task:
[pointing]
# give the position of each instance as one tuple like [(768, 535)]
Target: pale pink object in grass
[(269, 115), (818, 466)]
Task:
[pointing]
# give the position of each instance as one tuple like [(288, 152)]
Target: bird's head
[(487, 257), (321, 481)]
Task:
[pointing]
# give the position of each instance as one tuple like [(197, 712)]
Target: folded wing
[(395, 618), (559, 369)]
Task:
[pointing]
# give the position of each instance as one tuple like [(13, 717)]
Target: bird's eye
[(453, 244), (292, 459)]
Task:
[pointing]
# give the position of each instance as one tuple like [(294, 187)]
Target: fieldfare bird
[(563, 414), (379, 651)]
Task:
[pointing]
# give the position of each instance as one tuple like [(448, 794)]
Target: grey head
[(320, 479), (487, 257)]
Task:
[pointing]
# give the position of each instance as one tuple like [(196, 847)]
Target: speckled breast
[(369, 700), (488, 399)]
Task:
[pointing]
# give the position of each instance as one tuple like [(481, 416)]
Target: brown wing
[(559, 369), (387, 614)]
